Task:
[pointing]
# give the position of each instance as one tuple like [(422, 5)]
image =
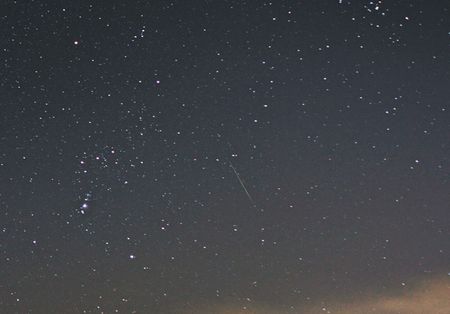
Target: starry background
[(126, 128)]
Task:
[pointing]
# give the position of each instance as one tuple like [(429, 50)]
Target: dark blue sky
[(121, 123)]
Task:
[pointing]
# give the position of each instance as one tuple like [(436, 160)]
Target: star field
[(225, 156)]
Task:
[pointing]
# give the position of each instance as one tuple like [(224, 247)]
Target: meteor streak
[(242, 183)]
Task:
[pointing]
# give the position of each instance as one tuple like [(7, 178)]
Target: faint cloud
[(426, 297), (430, 297)]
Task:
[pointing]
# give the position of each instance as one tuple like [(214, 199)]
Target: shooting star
[(242, 183)]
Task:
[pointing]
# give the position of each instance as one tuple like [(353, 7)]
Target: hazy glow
[(428, 297)]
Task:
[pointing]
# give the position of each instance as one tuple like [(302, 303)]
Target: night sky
[(225, 156)]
